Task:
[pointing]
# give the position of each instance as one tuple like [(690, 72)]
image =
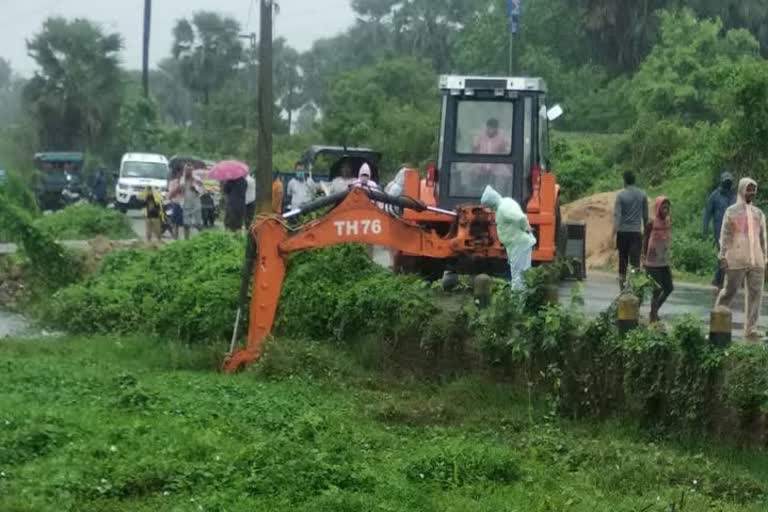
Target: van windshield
[(148, 170)]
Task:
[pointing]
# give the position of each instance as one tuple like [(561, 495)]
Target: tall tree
[(682, 76), (289, 82), (11, 86), (77, 89), (306, 120), (392, 106), (5, 73), (209, 51), (174, 100), (749, 14)]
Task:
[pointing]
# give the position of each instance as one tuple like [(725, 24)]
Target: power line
[(250, 15)]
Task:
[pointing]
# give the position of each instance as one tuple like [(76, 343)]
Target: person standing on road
[(153, 213), (743, 255), (175, 196), (657, 244), (192, 188), (630, 217), (300, 190), (100, 189), (250, 200), (719, 201), (235, 191)]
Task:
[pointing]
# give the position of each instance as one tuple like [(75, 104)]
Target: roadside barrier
[(720, 327), (628, 313)]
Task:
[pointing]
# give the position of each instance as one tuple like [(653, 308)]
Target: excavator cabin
[(493, 131)]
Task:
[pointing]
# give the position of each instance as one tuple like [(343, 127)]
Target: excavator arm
[(357, 219)]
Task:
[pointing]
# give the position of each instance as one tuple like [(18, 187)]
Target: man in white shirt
[(301, 190), (250, 200)]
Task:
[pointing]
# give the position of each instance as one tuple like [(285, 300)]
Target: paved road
[(601, 289)]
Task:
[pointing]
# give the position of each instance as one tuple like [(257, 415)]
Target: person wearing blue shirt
[(719, 201), (100, 188)]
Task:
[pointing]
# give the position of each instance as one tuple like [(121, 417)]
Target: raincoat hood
[(657, 208), (396, 186), (742, 192), (491, 198), (726, 176), (365, 170)]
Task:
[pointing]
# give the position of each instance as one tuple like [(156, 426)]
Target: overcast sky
[(300, 21)]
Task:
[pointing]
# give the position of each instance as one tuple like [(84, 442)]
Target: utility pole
[(145, 61), (251, 72), (266, 102)]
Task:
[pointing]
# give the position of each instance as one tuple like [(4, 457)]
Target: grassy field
[(105, 424)]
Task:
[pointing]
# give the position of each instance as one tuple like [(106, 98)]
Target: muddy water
[(13, 325)]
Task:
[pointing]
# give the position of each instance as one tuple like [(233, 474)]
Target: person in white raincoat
[(395, 188), (514, 233), (743, 255)]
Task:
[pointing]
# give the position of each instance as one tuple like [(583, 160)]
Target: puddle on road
[(13, 325)]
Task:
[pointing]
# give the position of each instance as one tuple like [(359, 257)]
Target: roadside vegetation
[(672, 379), (86, 221), (139, 424)]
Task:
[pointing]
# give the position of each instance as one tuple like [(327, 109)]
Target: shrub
[(189, 291), (577, 164), (456, 466), (186, 291), (86, 221), (51, 265), (340, 294), (18, 192), (693, 254)]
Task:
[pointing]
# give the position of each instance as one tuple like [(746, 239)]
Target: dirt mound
[(597, 212)]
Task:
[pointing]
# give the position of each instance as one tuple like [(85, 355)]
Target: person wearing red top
[(657, 244)]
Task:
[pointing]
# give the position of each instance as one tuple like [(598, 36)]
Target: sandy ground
[(597, 212)]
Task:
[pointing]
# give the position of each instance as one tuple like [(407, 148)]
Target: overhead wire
[(250, 15)]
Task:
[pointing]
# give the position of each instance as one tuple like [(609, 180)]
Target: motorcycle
[(70, 194)]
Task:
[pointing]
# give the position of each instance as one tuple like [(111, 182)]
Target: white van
[(137, 172)]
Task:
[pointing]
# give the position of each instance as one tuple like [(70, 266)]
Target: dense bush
[(672, 378), (186, 291), (340, 293), (580, 161), (189, 291), (86, 221), (691, 253), (18, 192), (51, 265)]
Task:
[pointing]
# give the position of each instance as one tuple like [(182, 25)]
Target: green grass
[(86, 221), (108, 424)]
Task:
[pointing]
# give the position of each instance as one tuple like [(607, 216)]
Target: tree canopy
[(78, 85)]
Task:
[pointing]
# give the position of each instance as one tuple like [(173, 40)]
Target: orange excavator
[(494, 131)]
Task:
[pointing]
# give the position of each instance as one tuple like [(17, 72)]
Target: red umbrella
[(228, 170)]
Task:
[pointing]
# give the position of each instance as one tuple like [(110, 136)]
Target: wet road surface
[(601, 289)]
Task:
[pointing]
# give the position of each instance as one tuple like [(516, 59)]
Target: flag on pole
[(515, 7)]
